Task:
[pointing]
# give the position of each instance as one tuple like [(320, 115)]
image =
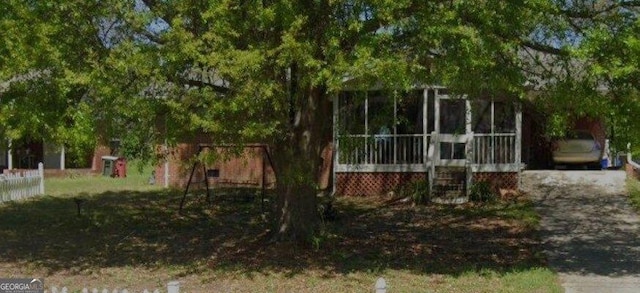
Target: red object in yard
[(120, 168)]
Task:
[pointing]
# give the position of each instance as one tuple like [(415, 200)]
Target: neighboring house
[(28, 154)]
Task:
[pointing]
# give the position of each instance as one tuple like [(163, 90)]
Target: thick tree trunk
[(298, 162), (296, 212)]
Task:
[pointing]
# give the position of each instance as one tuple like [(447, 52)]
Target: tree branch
[(544, 48), (154, 6), (587, 13)]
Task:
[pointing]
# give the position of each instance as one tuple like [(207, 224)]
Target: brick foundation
[(367, 184), (371, 184), (497, 181)]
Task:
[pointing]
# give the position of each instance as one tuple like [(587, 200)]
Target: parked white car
[(578, 148)]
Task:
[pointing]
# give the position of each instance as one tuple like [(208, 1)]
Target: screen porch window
[(494, 127), (383, 128)]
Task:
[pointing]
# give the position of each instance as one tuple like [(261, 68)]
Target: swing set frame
[(214, 173)]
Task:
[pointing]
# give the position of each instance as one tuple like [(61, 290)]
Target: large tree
[(265, 71), (47, 52)]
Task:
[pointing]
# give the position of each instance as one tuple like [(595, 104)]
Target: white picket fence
[(22, 184), (172, 287)]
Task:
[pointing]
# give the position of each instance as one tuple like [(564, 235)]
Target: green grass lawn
[(129, 234), (137, 179), (633, 186)]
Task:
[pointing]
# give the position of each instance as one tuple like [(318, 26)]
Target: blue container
[(604, 163)]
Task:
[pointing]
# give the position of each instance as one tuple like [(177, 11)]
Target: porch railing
[(410, 149), (496, 148), (382, 149)]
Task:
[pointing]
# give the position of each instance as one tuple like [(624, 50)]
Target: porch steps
[(449, 185)]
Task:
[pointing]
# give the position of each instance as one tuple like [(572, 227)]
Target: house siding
[(244, 170), (96, 162)]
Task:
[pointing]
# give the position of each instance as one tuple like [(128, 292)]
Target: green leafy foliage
[(481, 192), (155, 72), (633, 187), (418, 191)]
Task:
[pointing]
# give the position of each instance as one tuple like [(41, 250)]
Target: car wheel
[(594, 166)]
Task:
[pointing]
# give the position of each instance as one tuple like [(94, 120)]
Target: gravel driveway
[(590, 233)]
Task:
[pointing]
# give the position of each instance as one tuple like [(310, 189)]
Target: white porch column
[(518, 147), (367, 158), (425, 121), (468, 146), (467, 116), (436, 124), (436, 110), (395, 128), (62, 157), (492, 153), (10, 156)]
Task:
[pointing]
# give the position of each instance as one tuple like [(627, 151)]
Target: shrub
[(481, 192), (418, 191), (633, 186)]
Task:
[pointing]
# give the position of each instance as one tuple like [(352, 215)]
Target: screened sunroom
[(381, 135)]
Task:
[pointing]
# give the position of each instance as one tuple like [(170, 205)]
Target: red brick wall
[(241, 169), (593, 125), (96, 162), (631, 173), (244, 169), (178, 158), (367, 184)]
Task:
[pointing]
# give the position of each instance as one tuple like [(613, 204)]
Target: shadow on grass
[(117, 229)]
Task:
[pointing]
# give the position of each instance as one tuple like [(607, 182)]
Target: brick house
[(383, 141)]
